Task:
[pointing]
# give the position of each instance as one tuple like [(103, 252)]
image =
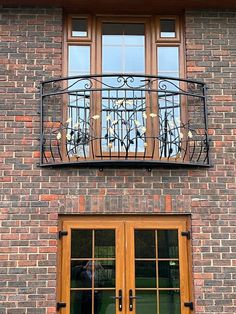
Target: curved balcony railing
[(122, 119)]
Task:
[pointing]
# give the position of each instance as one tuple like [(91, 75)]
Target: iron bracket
[(186, 234), (62, 233)]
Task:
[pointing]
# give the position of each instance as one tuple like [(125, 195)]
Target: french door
[(124, 265)]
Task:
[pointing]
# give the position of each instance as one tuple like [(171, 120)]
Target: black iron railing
[(122, 119)]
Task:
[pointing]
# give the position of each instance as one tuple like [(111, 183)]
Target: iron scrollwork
[(123, 117)]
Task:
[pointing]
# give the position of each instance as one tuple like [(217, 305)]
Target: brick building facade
[(33, 198)]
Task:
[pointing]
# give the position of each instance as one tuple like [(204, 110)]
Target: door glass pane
[(167, 28), (81, 243), (146, 302), (132, 63), (81, 274), (168, 274), (169, 302), (104, 274), (90, 273), (145, 274), (154, 272), (104, 243), (145, 244), (113, 62), (104, 302), (123, 51), (81, 302), (168, 244), (121, 44)]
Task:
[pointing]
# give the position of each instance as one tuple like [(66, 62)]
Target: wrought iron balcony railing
[(123, 119)]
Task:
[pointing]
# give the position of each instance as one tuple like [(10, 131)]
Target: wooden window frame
[(69, 28), (177, 38), (152, 42)]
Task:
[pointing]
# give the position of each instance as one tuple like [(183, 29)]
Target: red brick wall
[(32, 197)]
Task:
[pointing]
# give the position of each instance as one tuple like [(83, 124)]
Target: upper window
[(123, 95), (131, 47)]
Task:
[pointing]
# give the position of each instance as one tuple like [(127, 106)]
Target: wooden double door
[(124, 265)]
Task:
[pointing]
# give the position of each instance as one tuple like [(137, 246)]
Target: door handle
[(119, 298), (131, 298)]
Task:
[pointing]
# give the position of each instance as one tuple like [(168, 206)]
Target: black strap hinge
[(189, 304), (62, 233), (60, 305), (186, 234)]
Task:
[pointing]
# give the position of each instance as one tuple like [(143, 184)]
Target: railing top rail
[(128, 75)]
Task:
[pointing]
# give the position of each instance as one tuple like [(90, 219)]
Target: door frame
[(125, 224)]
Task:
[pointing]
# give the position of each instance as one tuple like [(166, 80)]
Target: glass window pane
[(167, 28), (79, 60), (145, 274), (146, 302), (112, 29), (120, 43), (81, 302), (168, 59), (105, 243), (134, 29), (145, 244), (168, 242), (80, 27), (81, 243), (169, 302), (111, 59), (134, 34), (168, 272), (134, 60), (104, 302), (81, 274), (105, 274)]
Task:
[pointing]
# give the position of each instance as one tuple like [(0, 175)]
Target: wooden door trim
[(184, 274), (124, 225), (68, 225)]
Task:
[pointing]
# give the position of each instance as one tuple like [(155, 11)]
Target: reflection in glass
[(167, 28), (145, 244), (168, 244), (81, 243), (80, 27), (145, 274), (123, 51), (123, 48), (168, 59), (132, 57), (81, 302), (169, 102), (105, 302), (169, 302), (168, 272), (104, 243), (112, 59), (104, 274), (146, 302), (79, 60), (81, 274)]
